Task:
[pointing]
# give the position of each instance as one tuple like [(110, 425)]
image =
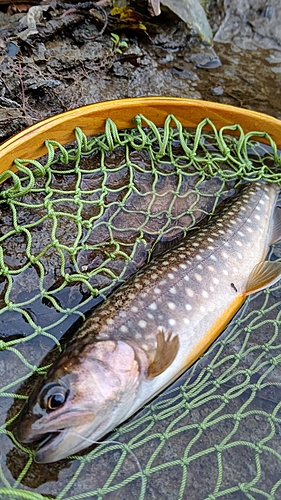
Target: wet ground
[(217, 434)]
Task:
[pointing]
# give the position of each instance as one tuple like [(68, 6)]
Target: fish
[(149, 331)]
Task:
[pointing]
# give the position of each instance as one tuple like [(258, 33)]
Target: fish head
[(83, 396)]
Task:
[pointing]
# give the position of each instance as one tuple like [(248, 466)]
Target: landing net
[(78, 223)]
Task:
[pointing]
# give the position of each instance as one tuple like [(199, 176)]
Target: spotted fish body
[(155, 326)]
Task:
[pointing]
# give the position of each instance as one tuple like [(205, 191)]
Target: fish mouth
[(48, 445)]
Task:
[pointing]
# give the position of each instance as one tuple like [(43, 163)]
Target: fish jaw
[(101, 388)]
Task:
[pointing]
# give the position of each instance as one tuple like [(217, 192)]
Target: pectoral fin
[(264, 274), (165, 354)]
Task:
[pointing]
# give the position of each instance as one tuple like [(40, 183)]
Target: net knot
[(224, 398), (218, 447), (237, 417), (275, 361), (259, 448), (243, 487), (202, 426), (5, 271)]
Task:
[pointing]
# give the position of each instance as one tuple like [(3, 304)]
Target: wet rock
[(250, 24)]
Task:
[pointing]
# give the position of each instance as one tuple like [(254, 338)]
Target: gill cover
[(89, 398)]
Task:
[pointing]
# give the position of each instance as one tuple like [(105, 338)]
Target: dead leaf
[(153, 7), (16, 8), (32, 18)]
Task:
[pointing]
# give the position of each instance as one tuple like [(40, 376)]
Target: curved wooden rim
[(91, 119)]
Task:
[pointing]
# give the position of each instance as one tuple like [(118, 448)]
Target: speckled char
[(188, 290), (148, 332)]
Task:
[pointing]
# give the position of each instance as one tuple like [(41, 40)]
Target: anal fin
[(165, 354), (263, 275)]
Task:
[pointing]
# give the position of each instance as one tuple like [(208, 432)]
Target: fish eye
[(54, 396)]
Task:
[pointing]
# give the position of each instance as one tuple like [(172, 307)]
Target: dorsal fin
[(264, 274), (166, 351), (275, 234)]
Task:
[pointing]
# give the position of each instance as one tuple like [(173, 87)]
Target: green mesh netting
[(75, 225)]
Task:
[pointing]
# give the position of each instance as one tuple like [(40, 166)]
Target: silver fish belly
[(155, 326)]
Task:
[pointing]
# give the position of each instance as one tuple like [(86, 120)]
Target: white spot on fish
[(211, 268), (150, 316), (238, 243), (171, 306), (258, 208), (202, 309), (186, 278), (261, 202), (157, 291), (210, 247), (249, 229), (195, 244), (241, 234), (188, 307), (211, 288), (122, 314), (213, 257), (211, 240), (134, 309), (183, 266), (142, 323), (173, 290), (123, 329), (205, 294), (200, 267), (110, 321), (239, 255), (198, 257), (137, 335), (189, 292), (216, 281), (186, 321), (225, 272), (154, 276), (171, 276), (198, 276), (256, 216), (172, 322), (225, 255), (153, 306)]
